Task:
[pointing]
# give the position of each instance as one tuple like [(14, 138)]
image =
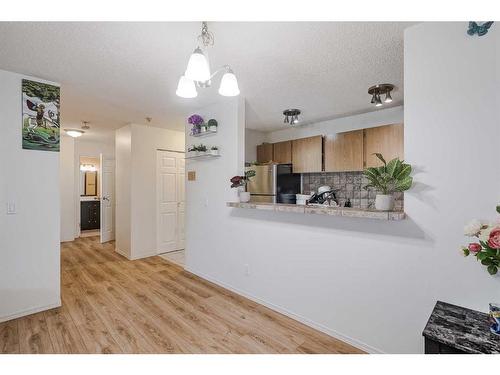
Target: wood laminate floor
[(113, 305)]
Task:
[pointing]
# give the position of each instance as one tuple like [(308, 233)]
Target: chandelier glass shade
[(198, 74)]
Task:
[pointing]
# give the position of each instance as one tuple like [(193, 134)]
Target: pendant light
[(198, 74), (229, 84)]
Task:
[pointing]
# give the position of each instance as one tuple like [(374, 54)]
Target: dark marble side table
[(454, 329)]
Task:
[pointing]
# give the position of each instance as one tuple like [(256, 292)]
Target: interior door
[(107, 194), (170, 201)]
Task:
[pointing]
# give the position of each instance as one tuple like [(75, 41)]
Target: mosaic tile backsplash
[(348, 185)]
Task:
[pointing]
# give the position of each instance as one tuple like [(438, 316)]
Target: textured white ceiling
[(115, 73)]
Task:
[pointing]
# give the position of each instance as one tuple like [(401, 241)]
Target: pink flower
[(494, 240), (474, 247)]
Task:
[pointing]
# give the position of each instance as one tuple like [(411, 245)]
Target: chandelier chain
[(206, 37)]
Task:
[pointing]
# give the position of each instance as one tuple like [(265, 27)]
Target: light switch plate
[(11, 208)]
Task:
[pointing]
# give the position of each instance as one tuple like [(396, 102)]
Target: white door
[(107, 194), (170, 201)]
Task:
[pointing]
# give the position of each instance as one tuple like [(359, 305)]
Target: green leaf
[(486, 262), (393, 166), (481, 255), (381, 158), (498, 208), (371, 173), (403, 172), (492, 269), (404, 184)]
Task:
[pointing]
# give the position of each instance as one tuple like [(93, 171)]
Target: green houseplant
[(387, 179)]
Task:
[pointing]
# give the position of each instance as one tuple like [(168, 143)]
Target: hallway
[(113, 305)]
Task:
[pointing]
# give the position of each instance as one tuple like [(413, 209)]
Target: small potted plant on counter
[(212, 125), (214, 150), (387, 179), (240, 182)]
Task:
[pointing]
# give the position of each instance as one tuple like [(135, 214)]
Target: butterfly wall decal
[(479, 29)]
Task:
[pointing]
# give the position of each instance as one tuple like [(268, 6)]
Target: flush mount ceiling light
[(378, 90), (197, 73), (75, 133), (291, 116), (88, 168)]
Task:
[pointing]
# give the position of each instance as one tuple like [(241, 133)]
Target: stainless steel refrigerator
[(272, 182)]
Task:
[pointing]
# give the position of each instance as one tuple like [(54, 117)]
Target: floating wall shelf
[(204, 134), (203, 156)]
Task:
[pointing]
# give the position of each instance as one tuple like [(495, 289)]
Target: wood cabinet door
[(387, 140), (282, 152), (344, 151), (307, 154), (264, 153)]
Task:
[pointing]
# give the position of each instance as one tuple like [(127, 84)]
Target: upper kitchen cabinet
[(307, 154), (344, 152), (264, 153), (387, 140), (282, 152)]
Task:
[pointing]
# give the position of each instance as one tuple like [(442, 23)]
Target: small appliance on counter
[(323, 196), (273, 183)]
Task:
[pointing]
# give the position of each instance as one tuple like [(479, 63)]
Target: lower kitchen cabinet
[(90, 215)]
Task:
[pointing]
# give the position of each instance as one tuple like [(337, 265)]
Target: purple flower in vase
[(195, 120)]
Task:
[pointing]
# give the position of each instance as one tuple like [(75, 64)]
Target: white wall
[(67, 184), (29, 240), (379, 117), (136, 147), (253, 138), (123, 182), (373, 283)]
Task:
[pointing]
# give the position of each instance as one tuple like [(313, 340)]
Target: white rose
[(473, 228), (484, 235)]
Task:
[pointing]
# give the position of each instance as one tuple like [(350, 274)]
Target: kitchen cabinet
[(386, 140), (264, 153), (282, 152), (344, 151), (90, 215), (307, 154)]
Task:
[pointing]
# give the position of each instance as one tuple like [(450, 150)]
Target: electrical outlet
[(247, 269)]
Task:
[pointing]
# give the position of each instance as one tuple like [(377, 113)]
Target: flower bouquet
[(486, 248), (197, 122)]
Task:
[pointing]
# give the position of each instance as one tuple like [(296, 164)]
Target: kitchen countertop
[(460, 328), (322, 210)]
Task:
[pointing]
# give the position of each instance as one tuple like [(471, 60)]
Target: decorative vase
[(384, 202), (244, 196), (495, 318)]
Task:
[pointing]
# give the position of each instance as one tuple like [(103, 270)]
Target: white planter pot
[(384, 202), (203, 129), (244, 196), (214, 152), (212, 128)]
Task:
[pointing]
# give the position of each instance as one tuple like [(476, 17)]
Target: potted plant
[(214, 150), (212, 125), (387, 179), (202, 148), (193, 150), (196, 121), (240, 182)]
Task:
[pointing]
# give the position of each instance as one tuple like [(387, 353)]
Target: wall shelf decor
[(206, 155), (204, 134)]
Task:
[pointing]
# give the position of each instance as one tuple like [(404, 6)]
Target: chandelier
[(198, 71)]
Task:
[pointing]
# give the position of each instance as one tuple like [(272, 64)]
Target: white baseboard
[(30, 311), (308, 322), (138, 256)]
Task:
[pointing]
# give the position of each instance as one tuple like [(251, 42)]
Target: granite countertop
[(322, 210), (464, 329)]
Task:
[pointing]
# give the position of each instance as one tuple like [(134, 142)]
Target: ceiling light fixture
[(197, 73), (85, 125), (382, 89), (75, 133), (88, 168), (291, 116)]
